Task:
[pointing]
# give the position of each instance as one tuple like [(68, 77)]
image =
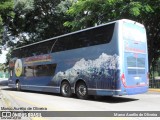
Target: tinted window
[(29, 71), (15, 53), (135, 65), (40, 70), (140, 62), (95, 36), (37, 49), (131, 62)]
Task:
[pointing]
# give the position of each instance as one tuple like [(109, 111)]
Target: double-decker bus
[(106, 60)]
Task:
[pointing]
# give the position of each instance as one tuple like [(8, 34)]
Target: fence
[(154, 83)]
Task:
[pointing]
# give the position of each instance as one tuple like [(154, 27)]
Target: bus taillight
[(123, 79)]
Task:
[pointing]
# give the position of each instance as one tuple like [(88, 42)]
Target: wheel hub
[(65, 89), (82, 90)]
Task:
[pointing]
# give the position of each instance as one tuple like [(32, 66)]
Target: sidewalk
[(2, 104), (3, 78), (154, 89)]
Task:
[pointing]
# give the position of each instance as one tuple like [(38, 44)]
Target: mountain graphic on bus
[(104, 66)]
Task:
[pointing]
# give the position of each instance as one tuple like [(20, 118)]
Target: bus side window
[(102, 34), (40, 70), (56, 47)]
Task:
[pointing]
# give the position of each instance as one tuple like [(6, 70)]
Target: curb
[(154, 90)]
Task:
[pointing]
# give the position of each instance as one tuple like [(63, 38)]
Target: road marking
[(5, 100), (31, 103), (35, 104), (8, 104), (38, 118), (120, 118), (24, 100)]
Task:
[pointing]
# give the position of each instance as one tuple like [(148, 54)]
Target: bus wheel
[(81, 90), (66, 89), (18, 86)]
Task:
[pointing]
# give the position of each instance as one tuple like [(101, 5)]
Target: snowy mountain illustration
[(91, 68)]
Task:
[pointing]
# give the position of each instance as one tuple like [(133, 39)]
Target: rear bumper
[(135, 90)]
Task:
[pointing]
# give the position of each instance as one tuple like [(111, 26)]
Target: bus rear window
[(131, 62), (140, 62), (135, 65), (134, 32)]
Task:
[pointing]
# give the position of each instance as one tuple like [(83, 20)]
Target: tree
[(6, 15), (87, 13), (39, 20), (1, 29), (2, 67)]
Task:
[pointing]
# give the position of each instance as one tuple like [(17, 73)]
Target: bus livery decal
[(18, 67), (36, 59), (92, 69)]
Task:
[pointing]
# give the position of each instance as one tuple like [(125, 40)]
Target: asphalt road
[(54, 102)]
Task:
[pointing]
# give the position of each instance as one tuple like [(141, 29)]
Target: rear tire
[(81, 90), (66, 89), (18, 86)]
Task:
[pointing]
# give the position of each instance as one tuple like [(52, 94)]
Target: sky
[(3, 56)]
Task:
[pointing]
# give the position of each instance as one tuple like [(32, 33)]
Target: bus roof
[(72, 33)]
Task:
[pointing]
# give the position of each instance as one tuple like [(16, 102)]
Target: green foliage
[(6, 10), (24, 6), (85, 13), (65, 5), (6, 14), (1, 29), (88, 13), (2, 67), (42, 20)]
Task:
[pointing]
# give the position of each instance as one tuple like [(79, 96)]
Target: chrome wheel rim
[(82, 90), (65, 89), (17, 85)]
